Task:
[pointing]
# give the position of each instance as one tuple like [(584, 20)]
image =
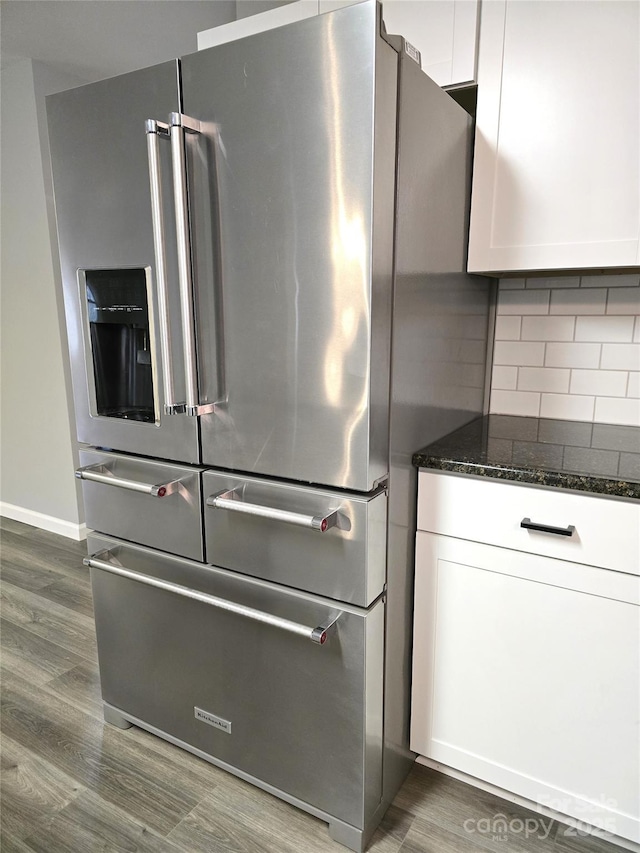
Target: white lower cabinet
[(526, 674)]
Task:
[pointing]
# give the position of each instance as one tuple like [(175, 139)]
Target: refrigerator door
[(291, 182), (228, 666), (103, 208)]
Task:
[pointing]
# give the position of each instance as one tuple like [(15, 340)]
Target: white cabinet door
[(557, 158), (243, 27), (444, 31), (526, 675)]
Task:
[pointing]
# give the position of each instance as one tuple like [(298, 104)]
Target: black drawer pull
[(547, 528)]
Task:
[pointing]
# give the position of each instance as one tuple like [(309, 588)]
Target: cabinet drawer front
[(293, 713), (276, 533), (606, 531), (144, 501)]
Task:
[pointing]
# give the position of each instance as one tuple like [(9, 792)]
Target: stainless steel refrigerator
[(263, 251)]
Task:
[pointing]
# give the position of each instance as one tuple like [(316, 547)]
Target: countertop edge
[(587, 483)]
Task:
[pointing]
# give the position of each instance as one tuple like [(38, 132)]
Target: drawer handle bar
[(547, 528), (228, 500), (101, 474), (318, 635)]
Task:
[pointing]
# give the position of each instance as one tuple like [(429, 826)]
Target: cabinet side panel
[(439, 345)]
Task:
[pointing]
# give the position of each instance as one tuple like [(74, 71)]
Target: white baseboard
[(44, 522), (624, 843)]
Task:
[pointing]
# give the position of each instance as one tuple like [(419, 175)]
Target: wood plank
[(44, 537), (392, 831), (33, 790), (99, 756), (80, 687), (31, 553), (151, 785), (239, 817), (73, 631), (425, 837), (27, 577), (71, 593), (90, 823), (32, 657), (455, 806)]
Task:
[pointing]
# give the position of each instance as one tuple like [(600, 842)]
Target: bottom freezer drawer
[(252, 674)]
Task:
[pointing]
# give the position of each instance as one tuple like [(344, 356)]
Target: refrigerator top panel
[(103, 209), (291, 183)]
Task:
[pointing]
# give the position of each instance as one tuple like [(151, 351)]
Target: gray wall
[(37, 454)]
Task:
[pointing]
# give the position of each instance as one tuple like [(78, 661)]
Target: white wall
[(568, 348), (38, 455), (245, 8)]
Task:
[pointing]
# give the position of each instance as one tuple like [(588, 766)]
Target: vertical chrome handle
[(154, 130), (179, 124)]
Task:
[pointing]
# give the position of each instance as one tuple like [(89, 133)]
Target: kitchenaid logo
[(212, 720)]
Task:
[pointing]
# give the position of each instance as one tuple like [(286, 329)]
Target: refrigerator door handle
[(229, 500), (179, 125), (318, 634), (156, 130), (100, 473)]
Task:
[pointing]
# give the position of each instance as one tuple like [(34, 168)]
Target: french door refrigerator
[(262, 250)]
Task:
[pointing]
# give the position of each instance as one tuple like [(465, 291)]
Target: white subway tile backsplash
[(601, 383), (620, 357), (568, 348), (522, 403), (614, 410), (624, 280), (543, 379), (504, 378), (572, 407), (547, 328), (562, 281), (611, 329), (523, 302), (573, 355), (579, 301), (623, 300), (633, 388), (508, 328), (518, 353)]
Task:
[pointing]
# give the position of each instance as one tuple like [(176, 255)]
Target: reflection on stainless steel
[(317, 340), (349, 335)]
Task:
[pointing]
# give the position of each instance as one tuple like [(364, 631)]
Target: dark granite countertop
[(599, 458)]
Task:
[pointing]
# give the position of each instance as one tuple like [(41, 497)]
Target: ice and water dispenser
[(120, 337)]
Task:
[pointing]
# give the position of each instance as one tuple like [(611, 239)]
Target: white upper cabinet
[(557, 157), (444, 31)]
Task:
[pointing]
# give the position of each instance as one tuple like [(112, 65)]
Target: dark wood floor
[(71, 783)]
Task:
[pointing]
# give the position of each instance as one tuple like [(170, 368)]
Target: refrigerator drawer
[(324, 542), (143, 500), (227, 665)]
